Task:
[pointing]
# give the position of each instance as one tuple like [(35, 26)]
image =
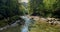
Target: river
[(26, 25)]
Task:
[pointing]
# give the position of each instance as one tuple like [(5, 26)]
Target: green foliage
[(57, 9), (49, 3), (8, 10), (45, 8), (34, 6), (9, 21), (3, 23)]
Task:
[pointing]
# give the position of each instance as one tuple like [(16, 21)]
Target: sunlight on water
[(27, 22)]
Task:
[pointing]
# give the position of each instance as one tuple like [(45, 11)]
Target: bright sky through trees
[(25, 1)]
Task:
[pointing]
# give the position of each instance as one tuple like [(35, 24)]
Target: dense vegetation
[(45, 8), (10, 10)]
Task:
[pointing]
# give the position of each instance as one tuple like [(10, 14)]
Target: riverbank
[(40, 24)]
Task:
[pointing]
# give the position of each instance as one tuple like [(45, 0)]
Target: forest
[(11, 10)]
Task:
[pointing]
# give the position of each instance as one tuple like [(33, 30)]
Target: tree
[(45, 8), (8, 8), (34, 6), (56, 13)]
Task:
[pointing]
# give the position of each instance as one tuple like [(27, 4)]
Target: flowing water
[(27, 22), (25, 27)]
